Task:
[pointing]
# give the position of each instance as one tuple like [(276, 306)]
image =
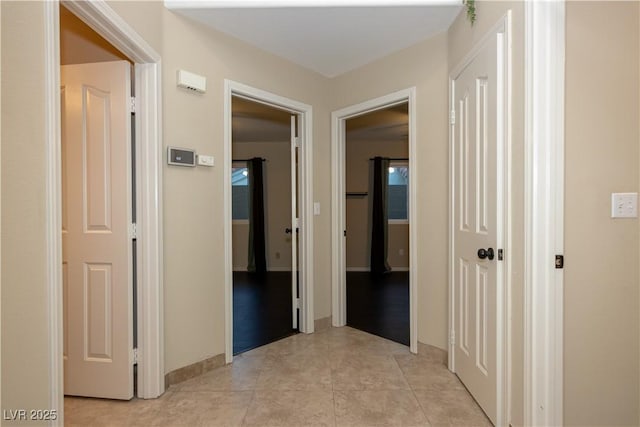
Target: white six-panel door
[(478, 140), (96, 218)]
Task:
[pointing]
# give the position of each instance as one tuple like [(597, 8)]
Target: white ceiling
[(330, 40)]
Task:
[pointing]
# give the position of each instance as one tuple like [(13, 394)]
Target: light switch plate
[(206, 160), (624, 205)]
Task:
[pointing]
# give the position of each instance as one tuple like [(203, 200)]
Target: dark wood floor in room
[(379, 304), (261, 309)]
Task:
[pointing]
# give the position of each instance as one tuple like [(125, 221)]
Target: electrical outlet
[(624, 205)]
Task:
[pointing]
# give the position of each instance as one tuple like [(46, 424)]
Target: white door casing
[(479, 147), (96, 218), (338, 212), (294, 225), (305, 264), (106, 22)]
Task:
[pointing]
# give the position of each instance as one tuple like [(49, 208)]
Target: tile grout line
[(413, 392)]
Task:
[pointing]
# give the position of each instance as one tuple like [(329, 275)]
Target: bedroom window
[(398, 202), (240, 193)]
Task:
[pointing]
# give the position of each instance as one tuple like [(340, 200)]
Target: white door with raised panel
[(96, 218), (478, 140), (294, 222)]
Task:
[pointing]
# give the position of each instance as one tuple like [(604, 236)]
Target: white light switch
[(624, 205), (206, 160), (316, 208)]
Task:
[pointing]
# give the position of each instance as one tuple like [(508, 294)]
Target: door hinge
[(452, 338), (452, 117), (132, 102), (296, 141), (297, 303), (559, 261), (133, 231), (135, 356), (297, 223)]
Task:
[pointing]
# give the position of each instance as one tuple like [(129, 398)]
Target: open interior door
[(96, 224), (294, 222), (478, 217)]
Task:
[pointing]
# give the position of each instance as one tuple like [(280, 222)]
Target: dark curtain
[(257, 248), (379, 215)]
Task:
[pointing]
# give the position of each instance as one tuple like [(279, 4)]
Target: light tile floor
[(337, 377)]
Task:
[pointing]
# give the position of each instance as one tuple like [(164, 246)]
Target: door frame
[(148, 120), (304, 111), (338, 213), (545, 24), (503, 269)]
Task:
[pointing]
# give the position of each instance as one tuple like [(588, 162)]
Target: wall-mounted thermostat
[(181, 157)]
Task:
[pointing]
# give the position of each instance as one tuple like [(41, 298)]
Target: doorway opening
[(377, 222), (263, 106), (148, 190), (264, 176), (398, 104), (98, 209)]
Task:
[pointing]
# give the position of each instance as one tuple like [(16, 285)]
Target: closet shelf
[(357, 194)]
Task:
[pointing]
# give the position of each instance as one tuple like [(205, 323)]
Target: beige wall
[(601, 281), (425, 67), (277, 182), (79, 44), (25, 364), (193, 223), (601, 327), (462, 38), (357, 162)]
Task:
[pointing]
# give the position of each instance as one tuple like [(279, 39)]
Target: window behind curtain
[(240, 193), (398, 201)]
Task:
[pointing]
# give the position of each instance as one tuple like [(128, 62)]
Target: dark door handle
[(287, 230), (488, 253)]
